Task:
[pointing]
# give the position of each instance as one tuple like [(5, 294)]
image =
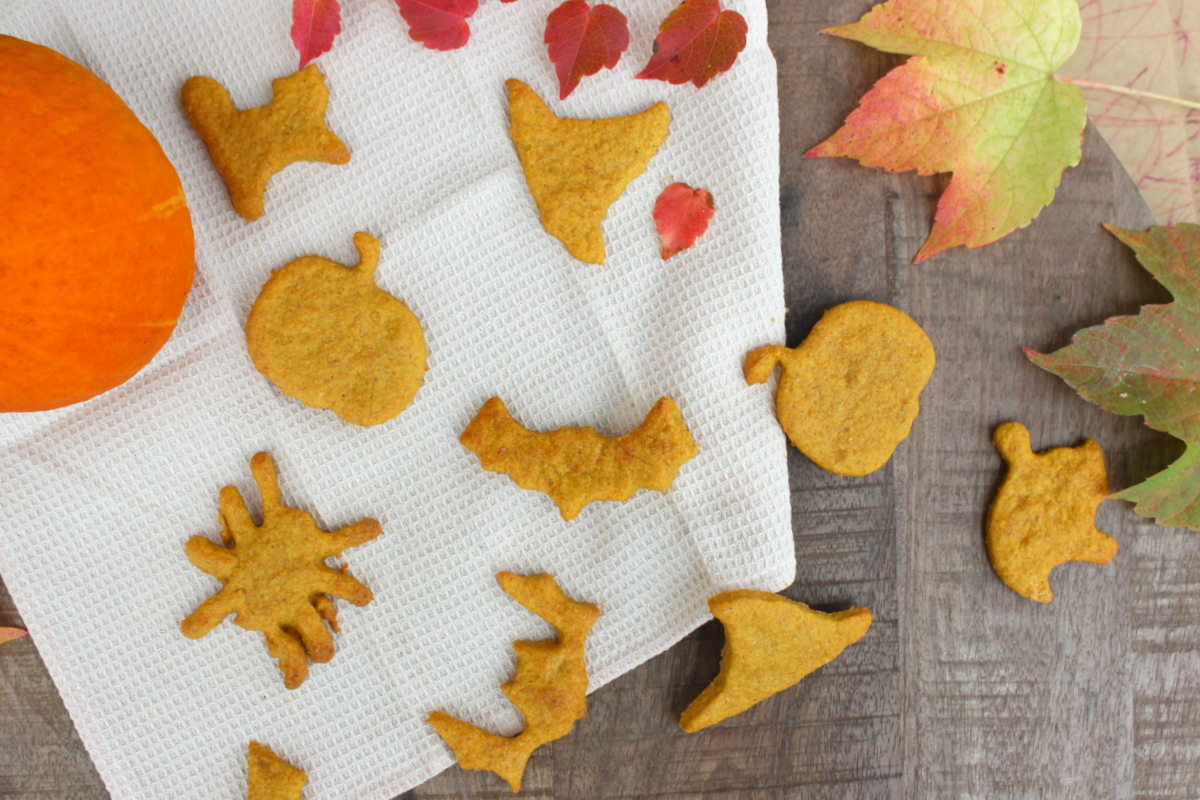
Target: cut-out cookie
[(549, 686), (272, 778), (328, 336), (275, 575), (770, 644), (248, 147), (577, 466), (1044, 512), (849, 393), (577, 168)]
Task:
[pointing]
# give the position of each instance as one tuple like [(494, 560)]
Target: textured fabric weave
[(98, 499)]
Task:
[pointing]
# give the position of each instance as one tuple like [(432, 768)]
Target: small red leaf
[(438, 24), (8, 634), (583, 40), (696, 42), (681, 215), (314, 25)]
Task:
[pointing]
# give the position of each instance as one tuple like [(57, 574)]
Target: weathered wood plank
[(1165, 567), (1006, 698), (41, 757)]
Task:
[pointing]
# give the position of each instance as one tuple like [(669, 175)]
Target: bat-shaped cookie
[(576, 466)]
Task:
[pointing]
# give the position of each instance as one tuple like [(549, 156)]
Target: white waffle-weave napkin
[(97, 500)]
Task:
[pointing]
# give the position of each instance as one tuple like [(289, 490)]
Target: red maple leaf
[(438, 24), (681, 215), (582, 40), (314, 25), (696, 42)]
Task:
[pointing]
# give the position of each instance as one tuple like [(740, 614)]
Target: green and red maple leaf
[(1149, 364), (979, 99)]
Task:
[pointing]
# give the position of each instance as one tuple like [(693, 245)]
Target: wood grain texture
[(41, 757), (961, 689)]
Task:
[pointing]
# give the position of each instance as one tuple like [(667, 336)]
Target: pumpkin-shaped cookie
[(849, 393), (327, 335)]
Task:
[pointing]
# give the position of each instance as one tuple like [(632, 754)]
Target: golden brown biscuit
[(248, 147), (577, 168), (275, 575), (549, 687), (272, 778), (1044, 511), (577, 466), (770, 644), (328, 336), (849, 393)]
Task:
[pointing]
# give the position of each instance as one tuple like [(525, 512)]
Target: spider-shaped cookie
[(275, 575)]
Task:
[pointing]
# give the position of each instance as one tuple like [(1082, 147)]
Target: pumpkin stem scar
[(173, 204)]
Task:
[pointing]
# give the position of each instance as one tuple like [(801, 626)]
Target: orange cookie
[(549, 687), (770, 644), (849, 393), (576, 466), (328, 336), (577, 168), (272, 778), (275, 575), (1044, 510), (248, 147)]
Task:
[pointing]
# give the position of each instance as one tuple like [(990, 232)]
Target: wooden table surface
[(961, 689)]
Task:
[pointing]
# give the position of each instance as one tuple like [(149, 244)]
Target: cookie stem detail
[(368, 248)]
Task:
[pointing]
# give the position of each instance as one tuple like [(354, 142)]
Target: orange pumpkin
[(96, 246)]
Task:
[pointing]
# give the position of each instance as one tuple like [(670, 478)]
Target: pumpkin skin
[(97, 253)]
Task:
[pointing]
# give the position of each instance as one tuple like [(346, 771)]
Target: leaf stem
[(1162, 98)]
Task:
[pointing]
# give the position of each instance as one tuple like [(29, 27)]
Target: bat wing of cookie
[(576, 466)]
